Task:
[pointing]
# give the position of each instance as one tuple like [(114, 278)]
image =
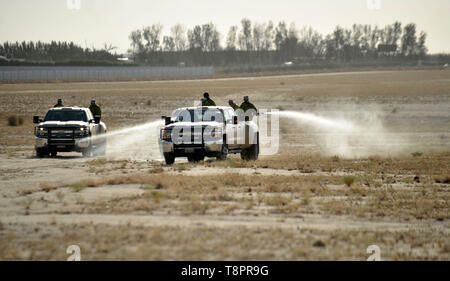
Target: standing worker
[(95, 109), (233, 105), (206, 101), (246, 105), (59, 103)]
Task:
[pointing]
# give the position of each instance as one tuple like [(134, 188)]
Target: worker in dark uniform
[(206, 101), (246, 105), (233, 105), (59, 103), (95, 109)]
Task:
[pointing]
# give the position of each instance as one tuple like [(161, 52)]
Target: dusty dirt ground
[(310, 201)]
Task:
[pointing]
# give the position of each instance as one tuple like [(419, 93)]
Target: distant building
[(387, 49), (125, 59)]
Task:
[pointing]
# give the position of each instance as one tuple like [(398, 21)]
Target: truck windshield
[(65, 115), (198, 115)]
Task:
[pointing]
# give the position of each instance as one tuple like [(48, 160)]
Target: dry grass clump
[(277, 200), (231, 162), (445, 179), (134, 242), (195, 207), (46, 186), (226, 193), (156, 196), (77, 187), (417, 154), (25, 192), (213, 181), (432, 163), (419, 203), (348, 180), (98, 161), (14, 120), (91, 182), (180, 167), (156, 170)]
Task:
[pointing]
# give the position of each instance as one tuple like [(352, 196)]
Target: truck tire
[(53, 153), (252, 152), (196, 158), (87, 152), (244, 155), (169, 157), (41, 153), (222, 155)]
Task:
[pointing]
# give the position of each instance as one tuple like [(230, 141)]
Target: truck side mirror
[(166, 120), (247, 118), (235, 120), (97, 119), (36, 119)]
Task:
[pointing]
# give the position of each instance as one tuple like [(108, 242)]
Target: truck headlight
[(41, 132), (166, 134), (216, 133), (82, 132)]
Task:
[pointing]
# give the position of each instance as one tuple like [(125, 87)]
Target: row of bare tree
[(282, 42), (248, 44)]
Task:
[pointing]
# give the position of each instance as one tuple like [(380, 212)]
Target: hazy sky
[(110, 21)]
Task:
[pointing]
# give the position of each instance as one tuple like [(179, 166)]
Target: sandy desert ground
[(326, 195)]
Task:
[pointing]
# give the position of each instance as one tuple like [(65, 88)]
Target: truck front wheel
[(222, 155), (87, 152), (196, 158), (252, 152), (41, 153), (169, 157)]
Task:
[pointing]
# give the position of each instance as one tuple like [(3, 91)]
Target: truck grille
[(61, 133), (61, 141), (61, 136), (187, 145), (189, 136)]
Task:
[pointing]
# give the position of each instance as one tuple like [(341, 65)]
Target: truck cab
[(66, 129)]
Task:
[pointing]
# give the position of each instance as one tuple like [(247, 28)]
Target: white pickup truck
[(210, 131), (66, 129)]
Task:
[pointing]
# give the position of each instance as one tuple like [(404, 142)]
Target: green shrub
[(77, 187), (348, 180), (13, 120), (417, 154)]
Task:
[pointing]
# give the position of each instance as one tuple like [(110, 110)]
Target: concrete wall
[(46, 73)]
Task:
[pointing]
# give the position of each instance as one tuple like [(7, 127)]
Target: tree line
[(249, 43), (55, 51), (269, 43)]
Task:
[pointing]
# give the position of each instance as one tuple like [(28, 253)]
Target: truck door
[(231, 129), (93, 127)]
